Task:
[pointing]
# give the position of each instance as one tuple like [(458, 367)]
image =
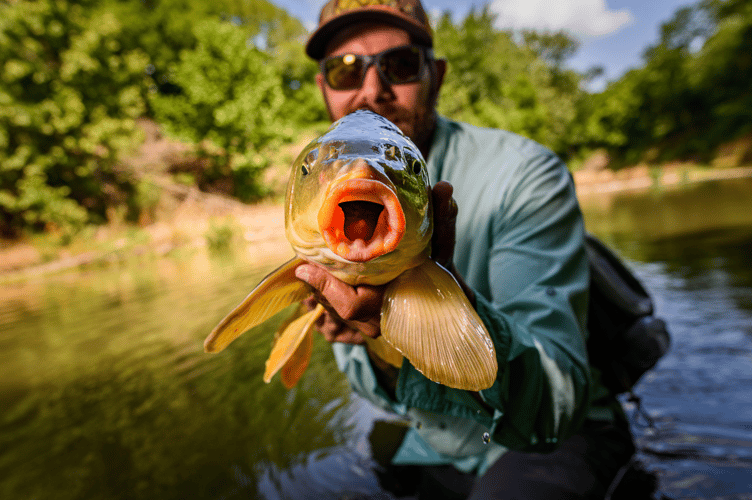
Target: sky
[(613, 33)]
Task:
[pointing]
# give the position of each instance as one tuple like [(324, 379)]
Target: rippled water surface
[(693, 250), (105, 391)]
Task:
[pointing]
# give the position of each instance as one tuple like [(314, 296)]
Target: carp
[(358, 203)]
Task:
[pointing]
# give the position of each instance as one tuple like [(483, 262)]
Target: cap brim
[(316, 46)]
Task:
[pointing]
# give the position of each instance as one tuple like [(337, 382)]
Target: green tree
[(68, 97), (303, 102), (232, 106), (691, 95), (722, 69), (494, 81), (554, 48), (164, 28)]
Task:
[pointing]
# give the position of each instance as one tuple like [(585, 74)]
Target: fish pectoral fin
[(275, 292), (385, 351), (292, 348), (428, 318)]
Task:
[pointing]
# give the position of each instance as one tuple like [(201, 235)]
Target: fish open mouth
[(361, 219)]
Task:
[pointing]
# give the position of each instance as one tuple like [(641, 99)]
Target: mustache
[(390, 112)]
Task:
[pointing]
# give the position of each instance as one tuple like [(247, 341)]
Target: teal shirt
[(520, 247)]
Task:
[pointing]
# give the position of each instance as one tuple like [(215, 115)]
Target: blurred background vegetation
[(230, 79)]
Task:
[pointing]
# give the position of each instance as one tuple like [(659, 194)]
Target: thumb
[(444, 223)]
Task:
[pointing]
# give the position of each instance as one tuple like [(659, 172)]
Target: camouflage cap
[(337, 14)]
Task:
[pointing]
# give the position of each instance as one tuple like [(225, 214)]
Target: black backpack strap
[(615, 281), (625, 339)]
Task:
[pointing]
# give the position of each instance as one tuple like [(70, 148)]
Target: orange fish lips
[(361, 219)]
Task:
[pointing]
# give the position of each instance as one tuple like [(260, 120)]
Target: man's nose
[(374, 87)]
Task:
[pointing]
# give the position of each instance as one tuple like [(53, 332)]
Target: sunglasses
[(394, 66)]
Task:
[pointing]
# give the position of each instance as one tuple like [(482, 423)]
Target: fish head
[(358, 201)]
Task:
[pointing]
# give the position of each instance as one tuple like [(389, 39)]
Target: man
[(544, 429)]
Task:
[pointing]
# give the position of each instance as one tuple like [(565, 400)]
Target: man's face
[(410, 106)]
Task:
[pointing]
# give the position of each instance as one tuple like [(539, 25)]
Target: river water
[(105, 392)]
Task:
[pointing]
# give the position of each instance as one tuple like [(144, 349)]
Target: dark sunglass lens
[(401, 65), (343, 72)]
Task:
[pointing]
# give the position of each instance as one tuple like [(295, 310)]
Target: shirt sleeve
[(536, 316)]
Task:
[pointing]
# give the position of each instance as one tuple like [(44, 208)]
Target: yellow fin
[(275, 292), (292, 348), (298, 362), (427, 317), (385, 351)]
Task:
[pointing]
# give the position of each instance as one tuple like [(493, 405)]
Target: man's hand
[(444, 233), (354, 312)]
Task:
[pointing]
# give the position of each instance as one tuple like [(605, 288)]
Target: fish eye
[(417, 167), (310, 159)]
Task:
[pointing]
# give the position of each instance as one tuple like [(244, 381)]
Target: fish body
[(358, 203)]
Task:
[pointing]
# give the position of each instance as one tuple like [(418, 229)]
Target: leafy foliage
[(68, 97), (164, 28), (691, 95), (231, 77), (508, 85), (233, 106), (75, 74)]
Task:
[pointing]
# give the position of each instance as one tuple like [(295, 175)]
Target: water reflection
[(711, 207), (698, 267), (106, 393)]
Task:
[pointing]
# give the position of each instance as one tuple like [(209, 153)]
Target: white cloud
[(581, 18)]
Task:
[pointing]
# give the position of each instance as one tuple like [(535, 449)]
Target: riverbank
[(642, 177), (186, 218)]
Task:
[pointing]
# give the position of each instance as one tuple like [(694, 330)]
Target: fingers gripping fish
[(358, 203)]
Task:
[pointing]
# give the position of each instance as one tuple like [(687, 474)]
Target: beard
[(417, 123)]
